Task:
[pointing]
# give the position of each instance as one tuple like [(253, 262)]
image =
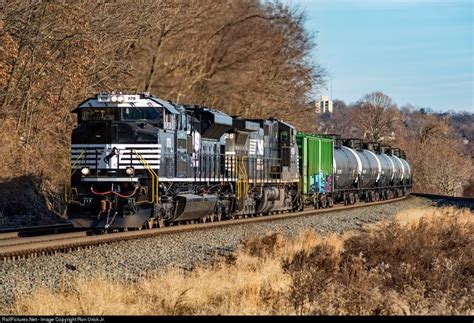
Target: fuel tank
[(270, 197), (193, 207)]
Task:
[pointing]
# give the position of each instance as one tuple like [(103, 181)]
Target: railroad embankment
[(419, 261)]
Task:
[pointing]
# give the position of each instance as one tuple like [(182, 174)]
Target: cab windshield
[(98, 114), (140, 113), (128, 113)]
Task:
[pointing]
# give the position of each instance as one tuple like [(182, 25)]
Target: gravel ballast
[(135, 258)]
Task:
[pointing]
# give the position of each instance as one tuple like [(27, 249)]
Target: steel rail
[(15, 233), (444, 197), (39, 227), (41, 238), (444, 200)]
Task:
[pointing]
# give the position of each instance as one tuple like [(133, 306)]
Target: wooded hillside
[(245, 57), (242, 57)]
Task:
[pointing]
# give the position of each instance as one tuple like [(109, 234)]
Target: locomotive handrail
[(77, 160), (154, 175), (242, 182), (67, 187)]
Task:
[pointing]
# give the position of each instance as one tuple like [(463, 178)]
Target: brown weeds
[(421, 263)]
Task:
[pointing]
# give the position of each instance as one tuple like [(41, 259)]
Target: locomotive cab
[(115, 158)]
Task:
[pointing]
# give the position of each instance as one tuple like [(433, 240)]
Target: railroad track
[(58, 226), (444, 200), (9, 233), (15, 233), (23, 248)]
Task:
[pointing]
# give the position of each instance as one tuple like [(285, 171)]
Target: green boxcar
[(315, 163)]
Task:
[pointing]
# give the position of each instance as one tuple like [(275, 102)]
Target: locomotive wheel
[(351, 198), (203, 220)]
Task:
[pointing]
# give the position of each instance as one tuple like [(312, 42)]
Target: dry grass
[(421, 263)]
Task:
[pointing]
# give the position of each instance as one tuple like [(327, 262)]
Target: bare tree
[(439, 166), (340, 121), (241, 56), (377, 117)]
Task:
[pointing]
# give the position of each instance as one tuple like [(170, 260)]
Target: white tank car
[(347, 166), (370, 168), (402, 170)]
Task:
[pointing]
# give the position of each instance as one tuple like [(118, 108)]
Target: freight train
[(138, 161)]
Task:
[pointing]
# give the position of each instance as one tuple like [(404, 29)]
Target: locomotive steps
[(23, 248)]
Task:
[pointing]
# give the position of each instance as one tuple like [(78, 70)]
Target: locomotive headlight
[(130, 171), (120, 99), (113, 98), (85, 171)]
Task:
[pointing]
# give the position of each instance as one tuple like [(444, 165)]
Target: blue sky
[(416, 51)]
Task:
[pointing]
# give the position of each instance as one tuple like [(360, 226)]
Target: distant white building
[(324, 105)]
